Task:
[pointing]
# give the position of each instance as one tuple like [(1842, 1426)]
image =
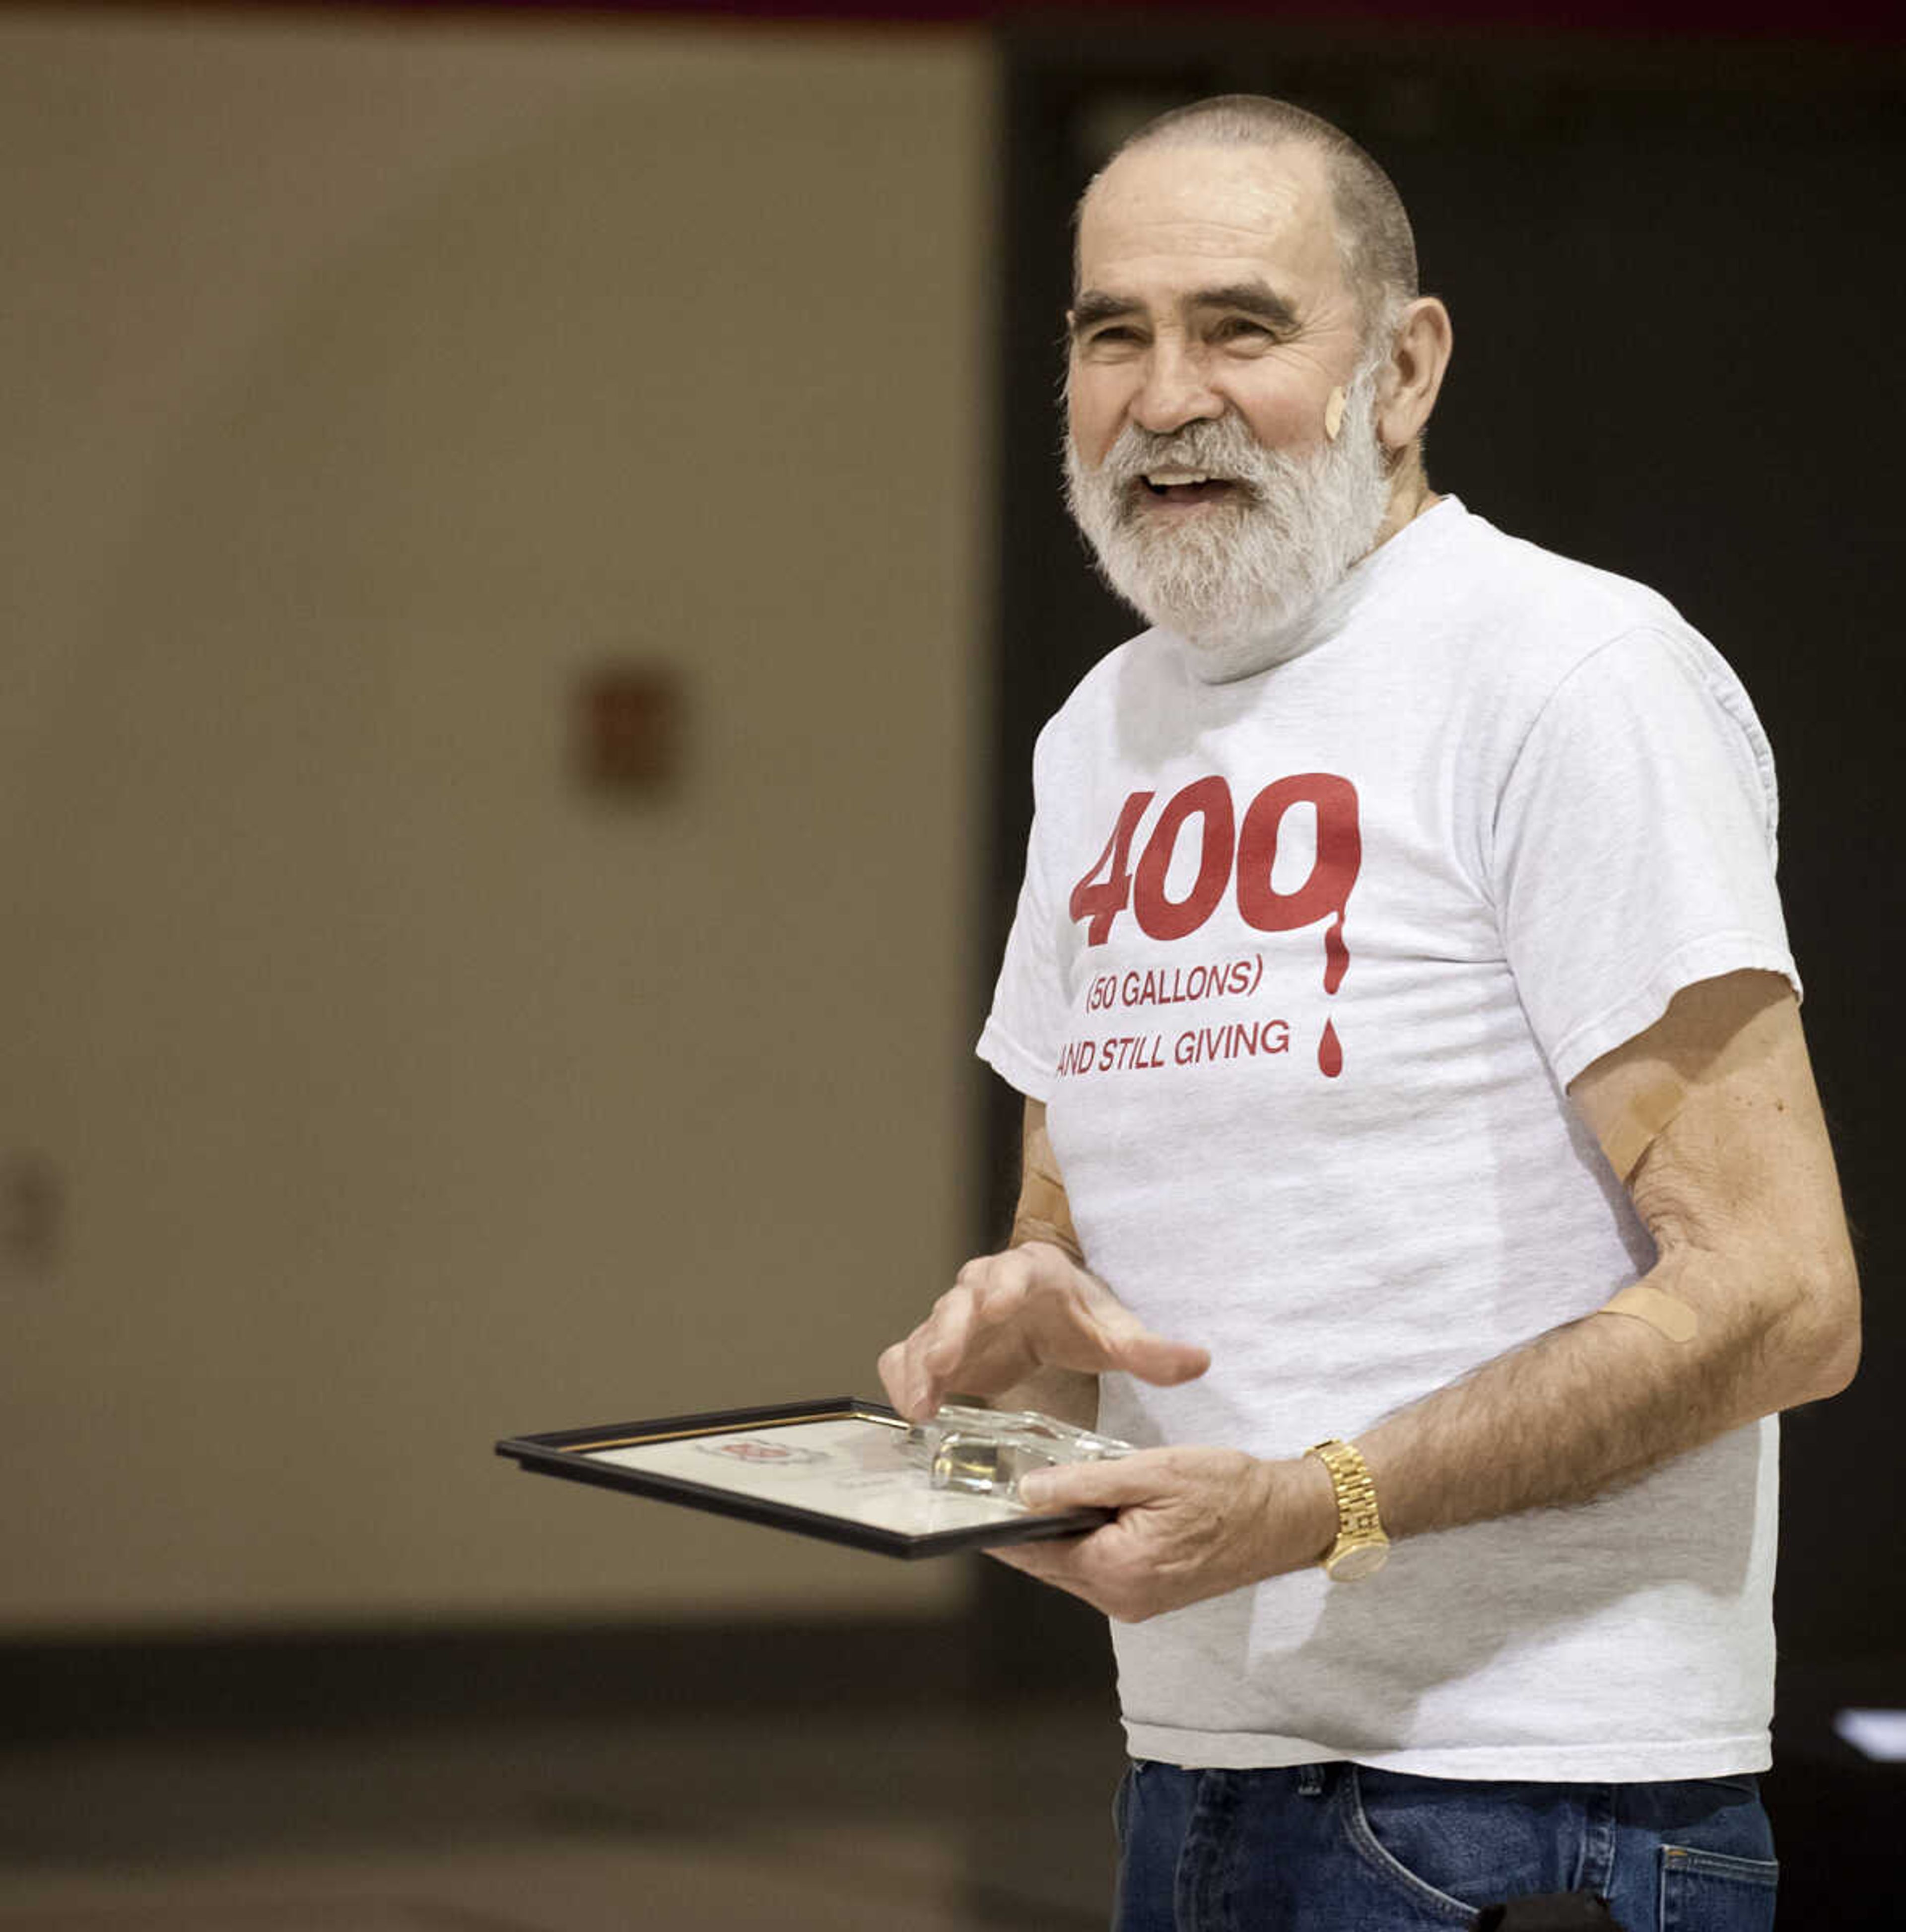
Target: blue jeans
[(1342, 1848)]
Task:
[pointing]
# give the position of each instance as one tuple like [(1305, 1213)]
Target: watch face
[(1361, 1559)]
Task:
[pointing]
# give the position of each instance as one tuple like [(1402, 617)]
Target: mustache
[(1221, 447)]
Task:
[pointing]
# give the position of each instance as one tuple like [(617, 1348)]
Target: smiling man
[(1211, 384), (1422, 1163)]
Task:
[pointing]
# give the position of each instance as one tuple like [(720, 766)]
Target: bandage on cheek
[(1333, 415), (1666, 1313)]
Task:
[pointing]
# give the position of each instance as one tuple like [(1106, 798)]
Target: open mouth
[(1188, 486)]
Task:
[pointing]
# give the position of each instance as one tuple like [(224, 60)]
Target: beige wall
[(362, 381)]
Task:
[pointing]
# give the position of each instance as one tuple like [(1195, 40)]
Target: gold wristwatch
[(1362, 1547)]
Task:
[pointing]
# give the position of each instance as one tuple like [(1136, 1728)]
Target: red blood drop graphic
[(1330, 1052), (1336, 954)]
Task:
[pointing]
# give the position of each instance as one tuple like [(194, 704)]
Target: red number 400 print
[(1227, 852)]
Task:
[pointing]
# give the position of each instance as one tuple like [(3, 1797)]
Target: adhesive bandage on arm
[(1667, 1313), (1043, 1212), (1663, 1092), (1640, 1123), (1643, 1119), (1628, 1138)]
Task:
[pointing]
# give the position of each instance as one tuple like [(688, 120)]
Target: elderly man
[(1422, 1158)]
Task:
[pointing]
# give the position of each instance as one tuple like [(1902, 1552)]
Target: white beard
[(1237, 580)]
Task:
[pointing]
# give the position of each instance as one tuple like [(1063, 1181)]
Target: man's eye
[(1116, 333), (1241, 326)]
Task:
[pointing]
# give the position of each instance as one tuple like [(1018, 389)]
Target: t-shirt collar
[(1332, 613)]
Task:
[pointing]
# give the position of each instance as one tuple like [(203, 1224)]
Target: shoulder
[(1532, 629), (1538, 615)]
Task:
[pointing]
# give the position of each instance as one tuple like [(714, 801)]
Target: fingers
[(1152, 1358), (1117, 1484), (944, 1349), (892, 1366), (977, 1338), (1065, 1563), (945, 1352), (1078, 1565), (1050, 1562), (1008, 1314), (1117, 1338), (966, 1343)]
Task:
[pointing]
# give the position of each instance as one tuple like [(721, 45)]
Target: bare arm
[(1739, 1190), (1760, 1313)]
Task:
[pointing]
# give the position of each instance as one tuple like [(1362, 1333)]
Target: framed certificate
[(836, 1468)]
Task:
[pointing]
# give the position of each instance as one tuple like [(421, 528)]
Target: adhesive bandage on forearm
[(1667, 1313), (1044, 1210)]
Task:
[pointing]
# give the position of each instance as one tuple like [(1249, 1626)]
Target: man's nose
[(1175, 390)]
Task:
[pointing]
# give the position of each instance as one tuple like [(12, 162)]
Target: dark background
[(1670, 266), (1671, 278)]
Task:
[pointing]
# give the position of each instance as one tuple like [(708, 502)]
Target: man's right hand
[(1008, 1316)]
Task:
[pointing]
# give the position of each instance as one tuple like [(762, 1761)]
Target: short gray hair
[(1374, 238)]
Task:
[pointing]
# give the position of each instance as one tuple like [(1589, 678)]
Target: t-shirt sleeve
[(1026, 1028), (1635, 845)]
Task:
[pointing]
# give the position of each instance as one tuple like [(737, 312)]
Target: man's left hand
[(1191, 1523)]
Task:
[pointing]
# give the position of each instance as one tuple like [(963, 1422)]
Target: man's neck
[(1224, 663), (1411, 496)]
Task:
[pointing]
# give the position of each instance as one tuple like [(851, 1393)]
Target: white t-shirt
[(1304, 1033)]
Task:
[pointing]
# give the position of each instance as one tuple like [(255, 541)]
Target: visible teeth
[(1162, 479)]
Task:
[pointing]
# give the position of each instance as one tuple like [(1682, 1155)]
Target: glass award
[(985, 1451)]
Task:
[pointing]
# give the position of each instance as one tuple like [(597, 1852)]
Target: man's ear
[(1408, 389)]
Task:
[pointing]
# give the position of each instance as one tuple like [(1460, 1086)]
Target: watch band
[(1362, 1545)]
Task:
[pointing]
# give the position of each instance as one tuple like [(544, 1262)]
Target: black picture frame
[(570, 1454)]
